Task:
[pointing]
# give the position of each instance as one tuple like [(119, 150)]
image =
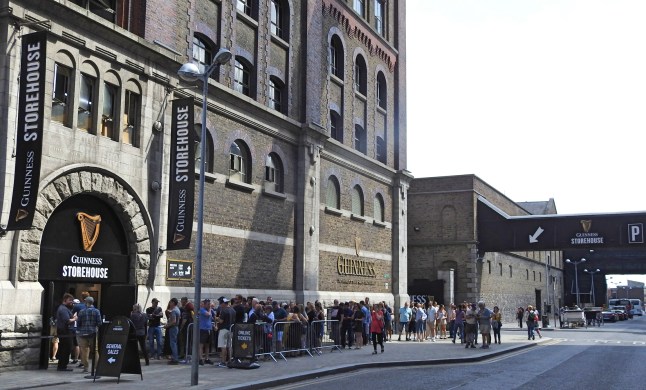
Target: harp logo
[(90, 226)]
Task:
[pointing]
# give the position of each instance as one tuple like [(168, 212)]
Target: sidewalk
[(159, 374)]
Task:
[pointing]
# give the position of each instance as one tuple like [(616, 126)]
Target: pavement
[(270, 374)]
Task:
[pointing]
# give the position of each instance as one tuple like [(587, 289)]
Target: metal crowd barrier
[(290, 337), (188, 346), (324, 334)]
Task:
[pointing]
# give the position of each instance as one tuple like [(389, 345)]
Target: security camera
[(157, 126)]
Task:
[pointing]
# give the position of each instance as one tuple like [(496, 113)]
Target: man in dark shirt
[(64, 319), (225, 320), (155, 315), (239, 309), (89, 320), (187, 311)]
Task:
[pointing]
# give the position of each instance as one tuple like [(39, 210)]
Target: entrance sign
[(29, 139), (179, 269), (118, 352)]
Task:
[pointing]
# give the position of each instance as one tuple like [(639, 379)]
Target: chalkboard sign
[(179, 269), (118, 352), (243, 342)]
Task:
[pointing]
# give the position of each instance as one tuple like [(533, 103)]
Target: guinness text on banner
[(182, 176), (29, 135)]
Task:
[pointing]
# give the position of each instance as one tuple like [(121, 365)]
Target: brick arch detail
[(116, 193)]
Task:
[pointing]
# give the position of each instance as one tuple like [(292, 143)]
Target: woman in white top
[(441, 319)]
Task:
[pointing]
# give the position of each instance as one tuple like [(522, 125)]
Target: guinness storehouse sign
[(355, 267)]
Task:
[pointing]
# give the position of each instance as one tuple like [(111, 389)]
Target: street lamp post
[(592, 272), (190, 72), (576, 278)]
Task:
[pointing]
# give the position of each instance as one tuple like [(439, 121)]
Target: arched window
[(333, 193), (239, 162), (202, 53), (336, 126), (279, 22), (276, 94), (357, 200), (381, 150), (336, 57), (360, 139), (131, 114), (382, 94), (109, 113), (360, 75), (242, 77), (378, 208), (274, 173), (61, 94), (208, 158), (87, 98)]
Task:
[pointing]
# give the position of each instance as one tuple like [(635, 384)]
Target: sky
[(539, 98)]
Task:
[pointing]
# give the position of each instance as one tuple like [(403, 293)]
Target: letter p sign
[(635, 233)]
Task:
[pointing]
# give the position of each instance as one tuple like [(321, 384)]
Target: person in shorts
[(206, 325), (225, 321), (484, 321)]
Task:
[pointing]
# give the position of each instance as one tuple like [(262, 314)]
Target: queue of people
[(167, 333), (463, 321)]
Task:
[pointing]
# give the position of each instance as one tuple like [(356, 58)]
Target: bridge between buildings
[(614, 243)]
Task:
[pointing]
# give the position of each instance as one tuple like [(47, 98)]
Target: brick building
[(306, 182), (443, 259)]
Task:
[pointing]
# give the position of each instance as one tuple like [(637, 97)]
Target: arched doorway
[(108, 257)]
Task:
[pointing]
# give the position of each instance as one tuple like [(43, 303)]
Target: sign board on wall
[(179, 269)]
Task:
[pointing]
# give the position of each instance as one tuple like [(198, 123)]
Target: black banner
[(181, 190), (29, 134)]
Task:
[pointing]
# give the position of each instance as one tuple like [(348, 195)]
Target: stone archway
[(103, 185)]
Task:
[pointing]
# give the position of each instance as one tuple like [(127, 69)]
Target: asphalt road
[(607, 357)]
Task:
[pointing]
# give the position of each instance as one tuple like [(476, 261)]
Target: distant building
[(442, 249)]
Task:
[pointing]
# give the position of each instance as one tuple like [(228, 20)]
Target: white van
[(637, 307)]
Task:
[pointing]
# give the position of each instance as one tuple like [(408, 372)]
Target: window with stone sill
[(336, 126), (132, 118), (360, 75), (380, 17), (274, 173), (336, 57), (85, 108), (239, 162), (357, 201), (61, 94), (333, 193), (242, 77), (109, 115)]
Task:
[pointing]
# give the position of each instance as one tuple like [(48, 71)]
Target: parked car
[(609, 315), (621, 312)]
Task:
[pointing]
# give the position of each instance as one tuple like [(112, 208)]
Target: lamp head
[(189, 72), (222, 56)]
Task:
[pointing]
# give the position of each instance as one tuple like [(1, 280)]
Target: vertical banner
[(182, 176), (29, 133)]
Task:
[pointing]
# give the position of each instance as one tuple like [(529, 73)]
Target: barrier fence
[(293, 338)]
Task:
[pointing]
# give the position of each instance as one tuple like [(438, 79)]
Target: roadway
[(608, 357)]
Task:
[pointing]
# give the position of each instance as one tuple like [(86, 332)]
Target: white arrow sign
[(112, 360), (533, 238), (188, 270)]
